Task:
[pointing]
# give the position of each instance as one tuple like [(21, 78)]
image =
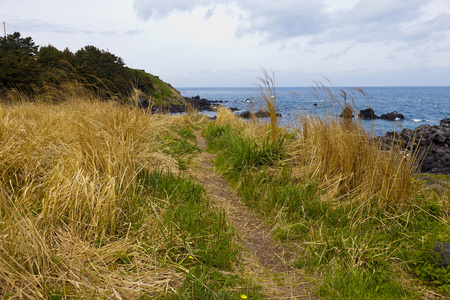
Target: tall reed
[(267, 94)]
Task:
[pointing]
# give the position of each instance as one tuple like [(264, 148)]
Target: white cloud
[(146, 9), (385, 11), (387, 21), (352, 20), (282, 20)]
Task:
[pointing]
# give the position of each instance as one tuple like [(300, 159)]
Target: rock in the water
[(441, 252), (368, 114), (246, 115), (392, 116)]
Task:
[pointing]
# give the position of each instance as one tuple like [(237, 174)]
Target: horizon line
[(331, 86)]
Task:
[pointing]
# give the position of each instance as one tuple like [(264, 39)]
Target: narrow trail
[(263, 261)]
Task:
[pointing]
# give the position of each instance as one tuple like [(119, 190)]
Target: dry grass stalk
[(347, 161), (268, 95), (253, 130)]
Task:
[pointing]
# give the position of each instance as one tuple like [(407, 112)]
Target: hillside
[(36, 70)]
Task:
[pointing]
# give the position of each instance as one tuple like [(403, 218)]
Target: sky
[(226, 43)]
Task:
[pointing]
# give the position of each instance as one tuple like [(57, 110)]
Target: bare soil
[(264, 261)]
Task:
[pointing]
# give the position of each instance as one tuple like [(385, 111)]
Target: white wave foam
[(422, 120)]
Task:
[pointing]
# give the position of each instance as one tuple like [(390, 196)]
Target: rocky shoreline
[(202, 104), (198, 103), (433, 141)]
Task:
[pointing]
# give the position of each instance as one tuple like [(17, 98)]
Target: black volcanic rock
[(202, 104), (258, 114), (432, 141), (441, 253), (392, 116), (367, 114), (246, 115), (180, 108)]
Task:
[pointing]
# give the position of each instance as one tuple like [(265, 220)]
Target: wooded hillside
[(32, 69)]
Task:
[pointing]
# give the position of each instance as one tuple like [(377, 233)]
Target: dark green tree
[(49, 57), (56, 64), (18, 65), (102, 69)]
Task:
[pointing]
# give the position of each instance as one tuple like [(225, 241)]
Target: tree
[(102, 69), (13, 42), (49, 56), (18, 65), (57, 65)]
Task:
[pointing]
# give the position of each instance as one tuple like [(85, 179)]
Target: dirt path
[(263, 261)]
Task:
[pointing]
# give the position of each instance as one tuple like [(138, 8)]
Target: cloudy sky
[(195, 43)]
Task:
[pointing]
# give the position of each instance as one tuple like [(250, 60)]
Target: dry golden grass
[(226, 117), (268, 96), (68, 172), (257, 131), (348, 162)]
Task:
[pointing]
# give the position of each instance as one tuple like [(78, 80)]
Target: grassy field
[(100, 201)]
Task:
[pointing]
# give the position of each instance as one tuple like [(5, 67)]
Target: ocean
[(419, 105)]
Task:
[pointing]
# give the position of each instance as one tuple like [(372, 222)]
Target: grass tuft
[(267, 94)]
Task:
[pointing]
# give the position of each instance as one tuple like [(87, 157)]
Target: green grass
[(182, 145), (162, 93), (341, 282), (99, 196), (197, 236), (219, 285), (437, 183), (190, 218), (239, 153)]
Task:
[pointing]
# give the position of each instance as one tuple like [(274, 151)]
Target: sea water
[(419, 105)]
